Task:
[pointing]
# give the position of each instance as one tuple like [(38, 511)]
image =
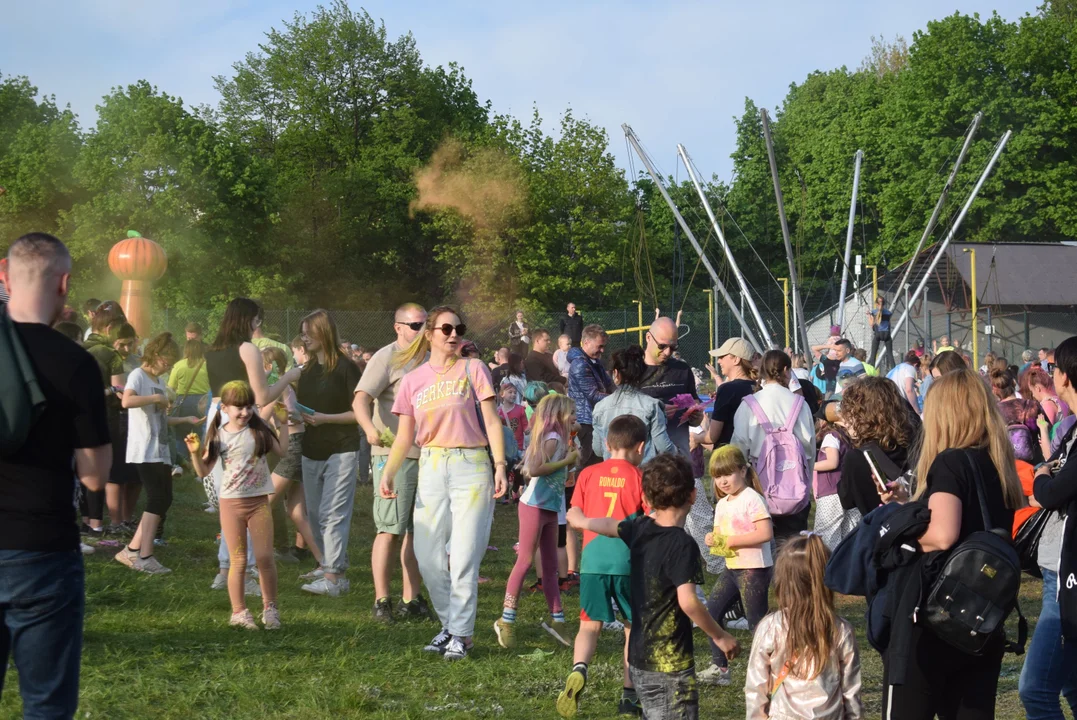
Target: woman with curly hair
[(881, 422)]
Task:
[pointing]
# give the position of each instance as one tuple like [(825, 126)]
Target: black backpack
[(977, 588)]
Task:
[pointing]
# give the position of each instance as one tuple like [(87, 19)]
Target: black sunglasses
[(413, 325), (460, 329), (662, 347)]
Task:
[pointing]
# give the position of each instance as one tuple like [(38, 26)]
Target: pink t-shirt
[(443, 405)]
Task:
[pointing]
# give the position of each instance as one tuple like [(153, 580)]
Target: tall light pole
[(975, 320), (849, 240)]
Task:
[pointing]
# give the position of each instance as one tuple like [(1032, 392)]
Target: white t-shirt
[(801, 373), (243, 474), (830, 441), (147, 436), (737, 515), (901, 373)]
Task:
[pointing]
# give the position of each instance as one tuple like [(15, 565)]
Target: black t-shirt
[(37, 484), (662, 559), (329, 393), (663, 383), (726, 402), (951, 473), (538, 366)]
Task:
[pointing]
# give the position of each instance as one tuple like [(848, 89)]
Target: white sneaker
[(220, 582), (86, 549), (243, 619), (438, 644), (615, 626), (251, 587), (456, 649), (151, 566), (313, 574), (176, 471), (324, 586), (715, 675), (738, 624), (271, 617), (209, 508)]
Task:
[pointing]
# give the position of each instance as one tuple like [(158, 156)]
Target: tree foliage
[(313, 181)]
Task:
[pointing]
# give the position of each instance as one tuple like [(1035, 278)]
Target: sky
[(675, 70)]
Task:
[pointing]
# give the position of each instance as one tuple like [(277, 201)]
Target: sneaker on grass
[(313, 574), (271, 617), (220, 582), (437, 645), (505, 633), (151, 566), (614, 626), (126, 557), (417, 609), (457, 649), (630, 706), (383, 611), (568, 702), (555, 629), (86, 549), (325, 586), (715, 675), (243, 619), (738, 624), (251, 587)]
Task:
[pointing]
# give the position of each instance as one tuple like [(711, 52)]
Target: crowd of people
[(101, 421)]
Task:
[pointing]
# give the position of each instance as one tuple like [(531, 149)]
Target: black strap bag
[(977, 588)]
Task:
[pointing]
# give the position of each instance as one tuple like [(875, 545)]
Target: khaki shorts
[(395, 516)]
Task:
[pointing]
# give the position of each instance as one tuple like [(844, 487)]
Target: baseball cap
[(737, 347)]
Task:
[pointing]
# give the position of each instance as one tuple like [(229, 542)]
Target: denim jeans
[(454, 507), (1050, 665), (329, 487), (42, 599), (666, 696)]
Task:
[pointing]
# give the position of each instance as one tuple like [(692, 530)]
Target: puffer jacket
[(588, 382)]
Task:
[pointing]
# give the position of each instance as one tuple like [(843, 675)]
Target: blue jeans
[(42, 599), (1050, 665)]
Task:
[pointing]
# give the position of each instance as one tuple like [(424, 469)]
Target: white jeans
[(454, 508), (329, 489)]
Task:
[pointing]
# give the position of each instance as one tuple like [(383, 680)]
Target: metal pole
[(849, 240), (630, 135), (710, 318), (639, 319), (798, 309), (785, 306), (874, 284), (942, 199), (764, 333), (953, 231), (975, 324), (907, 345), (990, 335)]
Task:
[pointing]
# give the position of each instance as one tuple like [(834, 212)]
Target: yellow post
[(874, 284), (710, 317), (785, 306), (975, 321), (639, 320)]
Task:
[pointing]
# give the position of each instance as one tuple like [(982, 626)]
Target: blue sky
[(677, 71)]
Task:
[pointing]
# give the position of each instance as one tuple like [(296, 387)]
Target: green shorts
[(596, 591), (395, 516)]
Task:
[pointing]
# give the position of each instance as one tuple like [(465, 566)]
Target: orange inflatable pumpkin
[(139, 262)]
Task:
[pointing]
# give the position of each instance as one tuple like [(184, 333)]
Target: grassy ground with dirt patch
[(160, 646)]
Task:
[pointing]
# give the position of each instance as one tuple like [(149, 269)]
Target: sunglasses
[(460, 329), (416, 326), (662, 347)]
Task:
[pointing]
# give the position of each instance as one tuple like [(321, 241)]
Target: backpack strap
[(978, 483), (794, 412), (757, 410)]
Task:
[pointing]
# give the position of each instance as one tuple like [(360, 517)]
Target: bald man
[(42, 580), (667, 377)]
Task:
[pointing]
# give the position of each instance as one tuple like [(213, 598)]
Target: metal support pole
[(743, 325), (785, 307), (975, 323), (908, 346), (639, 320), (942, 199), (874, 284), (927, 325), (849, 240), (990, 335), (953, 230), (745, 294), (630, 135), (798, 309), (710, 318)]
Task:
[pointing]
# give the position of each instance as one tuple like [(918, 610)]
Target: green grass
[(160, 646)]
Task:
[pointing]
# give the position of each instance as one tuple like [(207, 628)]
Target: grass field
[(160, 646)]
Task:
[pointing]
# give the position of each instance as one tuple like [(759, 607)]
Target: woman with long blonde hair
[(804, 661), (440, 404), (966, 460), (330, 461)]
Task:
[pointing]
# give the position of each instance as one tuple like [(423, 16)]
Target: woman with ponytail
[(241, 443), (443, 406), (146, 399), (805, 662)]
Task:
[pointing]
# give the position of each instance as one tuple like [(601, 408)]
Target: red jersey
[(516, 419), (611, 489)]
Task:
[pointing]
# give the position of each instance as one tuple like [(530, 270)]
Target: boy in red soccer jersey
[(611, 489)]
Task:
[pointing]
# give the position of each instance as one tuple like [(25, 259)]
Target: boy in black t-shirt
[(665, 569)]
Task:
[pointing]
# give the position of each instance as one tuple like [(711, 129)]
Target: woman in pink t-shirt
[(439, 404)]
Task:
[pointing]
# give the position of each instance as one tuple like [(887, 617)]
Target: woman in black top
[(962, 425), (736, 381)]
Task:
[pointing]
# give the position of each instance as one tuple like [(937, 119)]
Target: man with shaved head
[(42, 580), (666, 377), (393, 518)]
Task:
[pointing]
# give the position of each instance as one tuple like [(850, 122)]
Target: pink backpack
[(782, 467)]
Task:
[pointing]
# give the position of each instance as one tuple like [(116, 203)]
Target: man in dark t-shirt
[(571, 324), (42, 581), (538, 365), (666, 377)]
